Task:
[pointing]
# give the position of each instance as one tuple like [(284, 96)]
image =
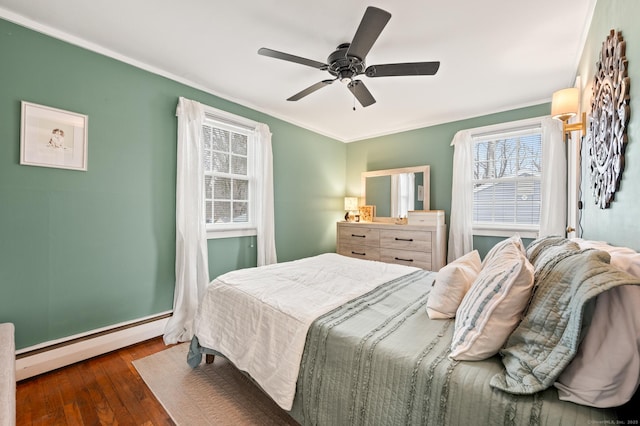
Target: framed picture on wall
[(51, 137)]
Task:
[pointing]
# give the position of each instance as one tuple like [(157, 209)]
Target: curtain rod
[(228, 122), (507, 130)]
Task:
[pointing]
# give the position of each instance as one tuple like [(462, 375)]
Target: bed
[(336, 340)]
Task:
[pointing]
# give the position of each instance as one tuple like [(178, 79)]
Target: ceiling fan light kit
[(347, 62)]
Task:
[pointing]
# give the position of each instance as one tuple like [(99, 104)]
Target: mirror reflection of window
[(402, 194), (376, 191)]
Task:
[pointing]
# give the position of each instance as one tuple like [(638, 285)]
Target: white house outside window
[(507, 170)]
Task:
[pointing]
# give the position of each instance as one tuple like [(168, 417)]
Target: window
[(229, 176), (507, 178), (402, 194), (507, 169)]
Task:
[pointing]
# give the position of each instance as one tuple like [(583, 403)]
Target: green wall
[(429, 145), (618, 224), (84, 250)]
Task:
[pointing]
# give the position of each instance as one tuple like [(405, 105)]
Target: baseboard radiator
[(49, 356)]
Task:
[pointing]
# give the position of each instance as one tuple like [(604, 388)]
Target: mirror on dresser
[(395, 191)]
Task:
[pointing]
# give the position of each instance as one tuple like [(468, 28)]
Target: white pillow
[(508, 242), (606, 370), (622, 257), (492, 307), (451, 284)]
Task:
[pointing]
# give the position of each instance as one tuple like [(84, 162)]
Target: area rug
[(212, 394)]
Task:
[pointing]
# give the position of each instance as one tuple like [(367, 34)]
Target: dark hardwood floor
[(105, 390)]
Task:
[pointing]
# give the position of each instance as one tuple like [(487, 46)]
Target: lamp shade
[(351, 203), (564, 103)]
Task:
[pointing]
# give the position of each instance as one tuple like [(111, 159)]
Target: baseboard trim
[(52, 355)]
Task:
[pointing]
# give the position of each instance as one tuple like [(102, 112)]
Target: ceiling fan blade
[(408, 68), (372, 24), (292, 58), (361, 93), (310, 90)]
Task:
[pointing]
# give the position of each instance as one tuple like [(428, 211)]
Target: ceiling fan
[(348, 60)]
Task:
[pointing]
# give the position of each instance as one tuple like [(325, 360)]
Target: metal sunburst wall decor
[(607, 136)]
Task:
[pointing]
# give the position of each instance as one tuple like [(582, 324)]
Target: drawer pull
[(403, 260), (359, 254), (358, 236), (404, 239)]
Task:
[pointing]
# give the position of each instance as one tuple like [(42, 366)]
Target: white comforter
[(258, 317)]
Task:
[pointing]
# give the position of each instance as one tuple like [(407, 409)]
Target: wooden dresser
[(420, 246)]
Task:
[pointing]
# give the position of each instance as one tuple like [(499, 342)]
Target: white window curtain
[(192, 266), (266, 239), (553, 181), (402, 194), (461, 226), (553, 188)]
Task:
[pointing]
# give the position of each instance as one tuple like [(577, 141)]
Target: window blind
[(507, 168), (226, 173)]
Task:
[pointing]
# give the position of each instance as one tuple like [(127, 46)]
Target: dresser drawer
[(419, 259), (359, 251), (358, 235), (418, 246), (405, 240)]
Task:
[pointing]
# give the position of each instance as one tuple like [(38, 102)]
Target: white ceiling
[(495, 55)]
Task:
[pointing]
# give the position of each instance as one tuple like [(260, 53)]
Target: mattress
[(258, 318)]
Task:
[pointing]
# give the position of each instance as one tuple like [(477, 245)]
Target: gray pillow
[(541, 250), (547, 339)]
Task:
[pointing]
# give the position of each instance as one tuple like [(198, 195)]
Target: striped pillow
[(496, 250), (492, 308)]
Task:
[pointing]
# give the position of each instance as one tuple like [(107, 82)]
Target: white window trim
[(497, 130), (507, 230), (231, 233), (231, 121)]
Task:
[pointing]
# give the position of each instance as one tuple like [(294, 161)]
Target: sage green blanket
[(548, 337), (379, 360)]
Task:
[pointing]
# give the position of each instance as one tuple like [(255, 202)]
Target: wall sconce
[(564, 105), (351, 206)]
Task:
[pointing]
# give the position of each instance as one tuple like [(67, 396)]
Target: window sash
[(507, 167), (229, 178)]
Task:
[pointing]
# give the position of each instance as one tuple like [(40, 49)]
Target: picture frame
[(367, 213), (52, 137)]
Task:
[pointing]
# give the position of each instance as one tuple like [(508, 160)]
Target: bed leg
[(209, 358)]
